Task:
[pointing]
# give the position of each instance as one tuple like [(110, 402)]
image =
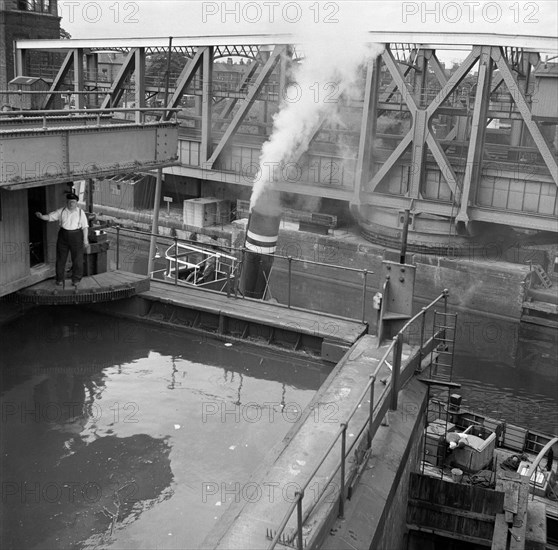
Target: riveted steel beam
[(31, 158), (249, 72), (207, 103), (250, 98), (367, 127), (390, 162), (473, 164), (139, 82), (443, 163), (117, 88), (79, 101), (522, 106), (184, 80), (453, 81), (59, 78)]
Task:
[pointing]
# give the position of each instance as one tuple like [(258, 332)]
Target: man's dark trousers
[(69, 241)]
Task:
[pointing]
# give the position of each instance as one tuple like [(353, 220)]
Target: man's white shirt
[(69, 220)]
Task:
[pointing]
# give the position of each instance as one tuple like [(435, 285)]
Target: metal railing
[(52, 113), (240, 253), (371, 425), (534, 468)]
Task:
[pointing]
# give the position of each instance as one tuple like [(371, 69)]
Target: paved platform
[(104, 287)]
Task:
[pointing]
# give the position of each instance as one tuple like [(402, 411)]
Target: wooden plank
[(500, 538), (536, 535), (514, 437), (511, 490), (315, 324), (443, 509), (451, 535), (519, 528)]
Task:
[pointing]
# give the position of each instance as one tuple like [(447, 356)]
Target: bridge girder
[(411, 64)]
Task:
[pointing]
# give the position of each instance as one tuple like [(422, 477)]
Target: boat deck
[(500, 455), (313, 323), (254, 320)]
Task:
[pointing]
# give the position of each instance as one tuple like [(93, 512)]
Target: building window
[(40, 6)]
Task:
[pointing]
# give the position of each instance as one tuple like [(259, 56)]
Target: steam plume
[(328, 71)]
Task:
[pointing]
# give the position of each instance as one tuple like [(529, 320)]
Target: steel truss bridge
[(464, 150)]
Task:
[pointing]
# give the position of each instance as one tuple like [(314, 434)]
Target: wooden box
[(203, 212), (435, 442), (476, 455)]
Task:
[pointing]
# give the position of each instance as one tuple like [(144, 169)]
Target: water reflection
[(110, 429), (508, 371)]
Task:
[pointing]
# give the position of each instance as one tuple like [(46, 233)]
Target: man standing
[(72, 237)]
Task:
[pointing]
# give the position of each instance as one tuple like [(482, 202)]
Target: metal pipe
[(404, 237), (117, 247), (90, 195), (155, 224), (422, 323), (395, 371), (365, 273), (290, 274), (176, 261), (167, 74), (300, 496), (371, 413), (342, 483)]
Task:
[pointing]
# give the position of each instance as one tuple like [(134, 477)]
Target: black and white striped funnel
[(262, 232)]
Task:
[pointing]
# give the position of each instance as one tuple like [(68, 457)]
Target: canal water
[(119, 434), (507, 370)]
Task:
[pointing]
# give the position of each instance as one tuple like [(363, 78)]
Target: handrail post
[(395, 371), (300, 496), (176, 260), (117, 247), (365, 273), (290, 281), (228, 273), (342, 484), (446, 293), (240, 270), (369, 436), (422, 323)]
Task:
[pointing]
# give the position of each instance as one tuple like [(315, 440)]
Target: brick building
[(20, 19)]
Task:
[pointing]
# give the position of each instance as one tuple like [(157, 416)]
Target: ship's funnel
[(260, 245)]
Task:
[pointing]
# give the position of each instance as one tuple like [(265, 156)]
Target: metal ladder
[(443, 333), (440, 386), (544, 278)]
